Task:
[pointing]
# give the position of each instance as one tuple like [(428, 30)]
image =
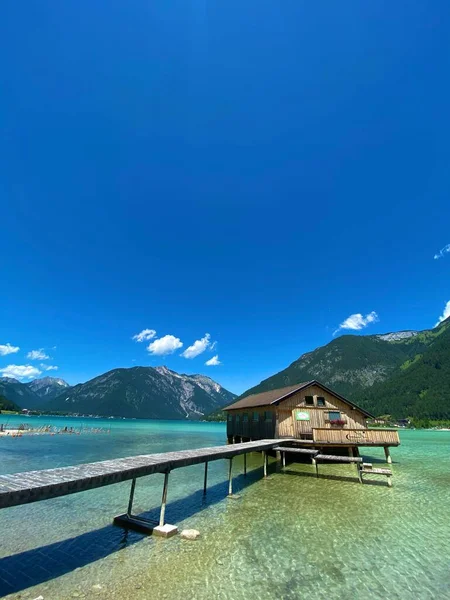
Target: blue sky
[(255, 171)]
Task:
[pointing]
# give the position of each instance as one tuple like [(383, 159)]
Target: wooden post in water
[(358, 468), (265, 462), (162, 514), (245, 465), (314, 462), (387, 455), (205, 480), (284, 459), (230, 478), (130, 501)]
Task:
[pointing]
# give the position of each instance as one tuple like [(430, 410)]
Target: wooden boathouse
[(310, 413)]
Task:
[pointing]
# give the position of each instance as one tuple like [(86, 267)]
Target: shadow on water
[(36, 566)]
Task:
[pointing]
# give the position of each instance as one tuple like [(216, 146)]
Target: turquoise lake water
[(290, 536)]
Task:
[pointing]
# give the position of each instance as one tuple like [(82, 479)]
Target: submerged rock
[(190, 534)]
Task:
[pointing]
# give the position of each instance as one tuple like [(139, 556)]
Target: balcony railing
[(362, 437)]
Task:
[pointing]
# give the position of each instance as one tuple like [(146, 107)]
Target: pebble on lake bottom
[(190, 534)]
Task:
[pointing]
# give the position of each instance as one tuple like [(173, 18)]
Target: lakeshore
[(248, 547)]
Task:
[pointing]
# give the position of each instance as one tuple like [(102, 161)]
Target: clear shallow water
[(286, 537)]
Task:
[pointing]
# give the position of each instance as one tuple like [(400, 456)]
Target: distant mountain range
[(141, 392), (403, 374), (48, 388)]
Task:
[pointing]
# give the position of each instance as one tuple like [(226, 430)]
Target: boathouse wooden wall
[(279, 420), (288, 426), (260, 423)]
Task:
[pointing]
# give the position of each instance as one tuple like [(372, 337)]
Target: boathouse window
[(267, 415), (245, 418), (309, 400), (256, 416), (320, 401), (334, 415)]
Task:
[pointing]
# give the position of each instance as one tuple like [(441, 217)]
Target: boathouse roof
[(273, 397)]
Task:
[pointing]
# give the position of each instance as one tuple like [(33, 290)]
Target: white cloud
[(442, 252), (20, 371), (37, 355), (165, 345), (213, 362), (144, 336), (197, 347), (48, 367), (445, 314), (8, 349), (356, 321)]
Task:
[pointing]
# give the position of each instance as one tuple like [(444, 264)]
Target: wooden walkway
[(32, 486)]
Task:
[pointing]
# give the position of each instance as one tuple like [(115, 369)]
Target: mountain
[(144, 392), (47, 387), (18, 393), (404, 373), (420, 387), (7, 404)]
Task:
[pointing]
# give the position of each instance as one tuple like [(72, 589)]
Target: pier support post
[(358, 468), (230, 478), (350, 452), (245, 465), (130, 501), (164, 530), (387, 455), (205, 479), (314, 462), (162, 513), (265, 462), (284, 459)]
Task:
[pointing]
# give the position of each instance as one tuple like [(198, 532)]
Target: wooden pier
[(33, 486)]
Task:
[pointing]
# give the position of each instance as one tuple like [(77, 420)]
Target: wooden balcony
[(356, 437)]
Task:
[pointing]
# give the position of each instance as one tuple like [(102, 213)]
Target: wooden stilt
[(284, 460), (205, 479), (350, 451), (245, 464), (389, 481), (162, 514), (265, 463), (230, 478), (387, 455), (130, 501), (314, 462), (358, 468)]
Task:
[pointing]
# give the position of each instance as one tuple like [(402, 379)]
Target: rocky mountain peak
[(397, 335)]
